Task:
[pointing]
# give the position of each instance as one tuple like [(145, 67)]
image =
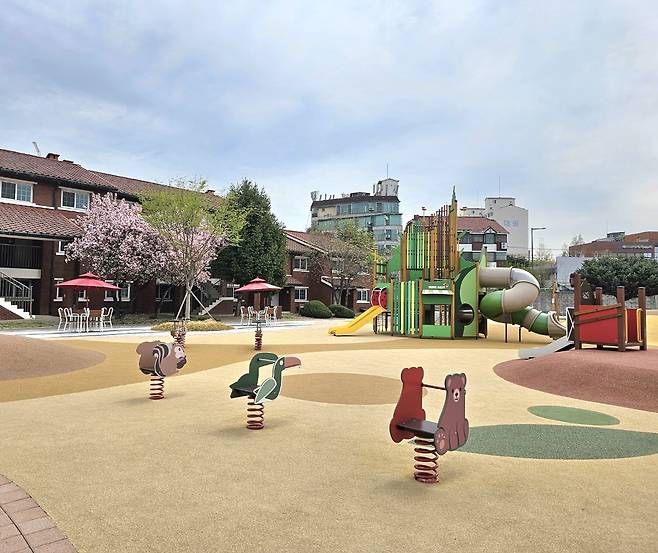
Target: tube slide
[(356, 323), (511, 304)]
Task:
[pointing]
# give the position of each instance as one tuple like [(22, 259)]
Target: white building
[(505, 212)]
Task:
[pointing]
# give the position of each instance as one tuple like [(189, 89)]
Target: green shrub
[(341, 311), (315, 309), (206, 325)]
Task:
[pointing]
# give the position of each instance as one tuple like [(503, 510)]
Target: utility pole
[(532, 244)]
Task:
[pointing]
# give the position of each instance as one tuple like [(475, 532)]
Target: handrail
[(16, 293)]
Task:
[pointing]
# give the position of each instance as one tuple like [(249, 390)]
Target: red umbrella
[(87, 280), (258, 285)]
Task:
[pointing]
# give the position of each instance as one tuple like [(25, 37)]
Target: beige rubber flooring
[(118, 472)]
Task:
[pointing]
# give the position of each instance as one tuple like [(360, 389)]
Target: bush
[(206, 325), (341, 311), (315, 309)]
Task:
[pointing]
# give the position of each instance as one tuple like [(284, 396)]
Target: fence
[(544, 300)]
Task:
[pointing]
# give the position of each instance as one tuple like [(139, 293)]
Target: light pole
[(532, 244)]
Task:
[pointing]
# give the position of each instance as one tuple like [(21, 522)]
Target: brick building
[(640, 244), (479, 232)]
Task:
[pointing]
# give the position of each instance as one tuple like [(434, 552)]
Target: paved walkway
[(24, 526)]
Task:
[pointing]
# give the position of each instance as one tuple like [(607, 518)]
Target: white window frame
[(59, 293), (75, 201), (359, 291), (61, 250), (232, 288), (109, 294), (82, 295), (13, 200), (300, 258), (300, 288), (168, 291)]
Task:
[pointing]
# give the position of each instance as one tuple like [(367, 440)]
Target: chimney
[(52, 156)]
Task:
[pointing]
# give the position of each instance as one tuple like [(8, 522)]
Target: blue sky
[(558, 99)]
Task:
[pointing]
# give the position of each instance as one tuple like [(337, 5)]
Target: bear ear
[(463, 379), (448, 382)]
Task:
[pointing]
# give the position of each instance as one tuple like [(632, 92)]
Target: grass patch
[(207, 325), (26, 323)]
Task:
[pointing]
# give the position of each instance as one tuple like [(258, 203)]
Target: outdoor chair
[(252, 314), (63, 319), (105, 318), (262, 315), (272, 314), (244, 314), (71, 319)]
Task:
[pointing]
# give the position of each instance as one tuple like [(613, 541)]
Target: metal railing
[(20, 256), (16, 293)]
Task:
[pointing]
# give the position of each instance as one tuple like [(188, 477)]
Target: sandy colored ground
[(26, 357), (118, 472)]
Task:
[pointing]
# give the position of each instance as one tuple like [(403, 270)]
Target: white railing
[(16, 293)]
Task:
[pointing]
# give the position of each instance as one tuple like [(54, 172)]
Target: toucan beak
[(291, 362)]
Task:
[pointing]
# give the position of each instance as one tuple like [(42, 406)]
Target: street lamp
[(532, 244)]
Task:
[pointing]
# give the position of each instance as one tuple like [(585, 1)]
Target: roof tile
[(37, 221)]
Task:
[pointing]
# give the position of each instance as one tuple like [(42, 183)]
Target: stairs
[(15, 298)]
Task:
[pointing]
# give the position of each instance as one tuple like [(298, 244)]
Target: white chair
[(262, 315), (83, 320), (71, 319), (105, 318), (243, 314), (251, 313), (63, 320), (272, 315)]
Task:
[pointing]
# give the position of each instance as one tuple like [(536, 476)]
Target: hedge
[(315, 309), (341, 311)]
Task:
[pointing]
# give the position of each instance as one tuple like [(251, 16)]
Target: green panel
[(432, 331), (466, 292), (437, 300)]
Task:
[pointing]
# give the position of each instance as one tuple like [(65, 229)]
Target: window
[(301, 294), (82, 295), (300, 264), (230, 290), (163, 292), (61, 247), (17, 191), (363, 295), (59, 293), (75, 199), (124, 293), (515, 223), (489, 238)]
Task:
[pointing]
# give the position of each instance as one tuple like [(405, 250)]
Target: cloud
[(558, 100)]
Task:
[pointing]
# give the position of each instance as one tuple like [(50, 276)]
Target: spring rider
[(430, 438), (247, 385), (160, 360)]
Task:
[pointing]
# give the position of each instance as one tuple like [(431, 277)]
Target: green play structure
[(431, 291)]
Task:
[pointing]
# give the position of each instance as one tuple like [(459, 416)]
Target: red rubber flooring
[(627, 379)]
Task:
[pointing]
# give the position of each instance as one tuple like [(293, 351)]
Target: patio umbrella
[(257, 286), (87, 280)]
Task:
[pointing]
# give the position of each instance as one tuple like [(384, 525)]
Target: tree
[(349, 252), (262, 250), (118, 244), (195, 226), (577, 240), (629, 271)]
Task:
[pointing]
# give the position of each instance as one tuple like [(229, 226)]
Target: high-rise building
[(377, 212), (505, 212)]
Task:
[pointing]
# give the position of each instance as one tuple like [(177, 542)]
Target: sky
[(557, 101)]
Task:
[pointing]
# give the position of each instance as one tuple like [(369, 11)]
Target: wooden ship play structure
[(429, 290)]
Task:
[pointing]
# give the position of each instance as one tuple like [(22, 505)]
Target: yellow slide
[(356, 323)]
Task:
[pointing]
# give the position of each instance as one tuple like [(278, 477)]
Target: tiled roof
[(309, 239), (30, 165), (130, 186), (37, 221), (292, 281), (479, 224)]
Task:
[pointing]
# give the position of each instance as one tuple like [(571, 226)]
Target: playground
[(541, 470)]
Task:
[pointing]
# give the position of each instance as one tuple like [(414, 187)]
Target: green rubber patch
[(573, 415), (554, 441)]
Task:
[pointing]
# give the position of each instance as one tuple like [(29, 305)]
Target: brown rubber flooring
[(26, 358), (627, 379)]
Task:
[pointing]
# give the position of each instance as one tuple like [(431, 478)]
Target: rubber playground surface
[(541, 471)]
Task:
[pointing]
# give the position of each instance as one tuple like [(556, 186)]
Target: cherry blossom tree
[(196, 226), (118, 244)]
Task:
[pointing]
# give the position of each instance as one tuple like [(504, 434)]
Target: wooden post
[(598, 295), (577, 290), (642, 304), (621, 320)]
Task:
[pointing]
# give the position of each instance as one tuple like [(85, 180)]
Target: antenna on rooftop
[(387, 170), (499, 186), (36, 148)]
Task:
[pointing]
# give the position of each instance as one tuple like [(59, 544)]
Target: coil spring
[(258, 342), (427, 466), (157, 387), (179, 337), (255, 415)]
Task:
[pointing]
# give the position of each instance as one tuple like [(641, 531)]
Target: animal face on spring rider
[(453, 424), (160, 359)]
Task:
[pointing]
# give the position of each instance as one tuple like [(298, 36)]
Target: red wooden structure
[(608, 325), (431, 438)]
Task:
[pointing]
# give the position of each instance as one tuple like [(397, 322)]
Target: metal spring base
[(427, 466), (255, 415), (157, 387), (179, 337), (258, 342)]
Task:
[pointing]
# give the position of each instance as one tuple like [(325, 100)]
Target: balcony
[(20, 256)]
